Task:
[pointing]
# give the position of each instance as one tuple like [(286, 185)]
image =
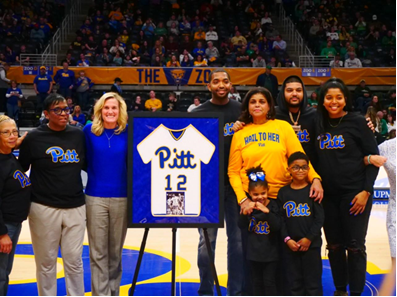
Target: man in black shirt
[(56, 154), (219, 86)]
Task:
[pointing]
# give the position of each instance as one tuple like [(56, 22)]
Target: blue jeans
[(235, 257), (13, 111), (6, 260)]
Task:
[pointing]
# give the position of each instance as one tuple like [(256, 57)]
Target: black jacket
[(307, 121)]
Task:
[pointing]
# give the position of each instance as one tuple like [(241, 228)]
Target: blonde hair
[(74, 110), (4, 118), (97, 124)]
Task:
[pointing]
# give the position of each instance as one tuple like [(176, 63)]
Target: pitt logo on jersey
[(183, 160), (327, 141), (22, 178), (293, 210), (59, 155), (303, 135), (262, 227)]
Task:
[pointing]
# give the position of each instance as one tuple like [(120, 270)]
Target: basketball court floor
[(155, 274)]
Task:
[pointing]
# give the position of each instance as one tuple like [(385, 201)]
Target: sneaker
[(340, 293)]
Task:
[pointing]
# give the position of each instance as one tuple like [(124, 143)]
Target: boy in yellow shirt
[(153, 104)]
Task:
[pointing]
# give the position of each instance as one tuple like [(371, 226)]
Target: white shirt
[(211, 35), (176, 157), (355, 63), (192, 106)]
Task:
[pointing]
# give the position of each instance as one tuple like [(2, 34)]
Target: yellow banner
[(200, 76)]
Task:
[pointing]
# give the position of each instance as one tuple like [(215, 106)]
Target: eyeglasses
[(58, 110), (297, 168), (7, 134)]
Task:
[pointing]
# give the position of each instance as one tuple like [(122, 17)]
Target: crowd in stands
[(351, 33), (179, 34), (26, 26)]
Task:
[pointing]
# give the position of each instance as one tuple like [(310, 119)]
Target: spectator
[(343, 35), (374, 103), (199, 50), (312, 101), (242, 57), (70, 104), (90, 46), (22, 57), (259, 62), (389, 39), (172, 103), (274, 62), (172, 20), (65, 78), (314, 28), (200, 61), (381, 128), (390, 58), (328, 51), (116, 86), (211, 35), (116, 14), (362, 96), (124, 37), (212, 53), (172, 45), (353, 62), (77, 118), (173, 62), (160, 30), (135, 58), (187, 60), (185, 53), (361, 26), (43, 86), (287, 62), (234, 94), (14, 96), (153, 104), (148, 28), (186, 44), (174, 31), (77, 44), (271, 33), (391, 123), (184, 27), (268, 81), (196, 103), (10, 55), (235, 40), (337, 62), (83, 62), (118, 60), (200, 34), (279, 44), (117, 48), (137, 105), (105, 57), (98, 19), (266, 19), (157, 62), (333, 35), (83, 85), (37, 35)]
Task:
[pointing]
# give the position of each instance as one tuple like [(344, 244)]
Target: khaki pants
[(107, 228), (50, 228)]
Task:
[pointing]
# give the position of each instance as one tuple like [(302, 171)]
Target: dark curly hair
[(245, 116)]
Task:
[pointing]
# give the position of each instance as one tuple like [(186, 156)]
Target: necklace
[(109, 137), (297, 118), (334, 126)]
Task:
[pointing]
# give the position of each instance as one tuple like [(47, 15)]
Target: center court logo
[(178, 75)]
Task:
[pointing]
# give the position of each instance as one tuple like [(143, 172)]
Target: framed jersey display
[(175, 170)]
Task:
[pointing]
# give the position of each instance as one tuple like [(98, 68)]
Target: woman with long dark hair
[(343, 140), (266, 141)]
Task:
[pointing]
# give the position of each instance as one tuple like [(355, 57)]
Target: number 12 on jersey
[(180, 184)]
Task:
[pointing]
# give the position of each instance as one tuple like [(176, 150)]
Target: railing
[(38, 59), (315, 61), (65, 29), (291, 33)]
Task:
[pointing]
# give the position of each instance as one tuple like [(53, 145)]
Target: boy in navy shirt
[(301, 226)]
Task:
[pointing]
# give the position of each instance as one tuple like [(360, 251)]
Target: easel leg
[(138, 265), (173, 283), (211, 257)]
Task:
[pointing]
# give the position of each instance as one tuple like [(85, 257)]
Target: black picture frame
[(132, 125)]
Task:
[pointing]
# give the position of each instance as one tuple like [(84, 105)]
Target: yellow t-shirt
[(156, 103), (268, 145)]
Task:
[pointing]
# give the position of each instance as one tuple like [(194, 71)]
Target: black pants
[(3, 99), (305, 271), (346, 233), (264, 278)]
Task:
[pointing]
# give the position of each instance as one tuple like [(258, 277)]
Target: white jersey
[(175, 157)]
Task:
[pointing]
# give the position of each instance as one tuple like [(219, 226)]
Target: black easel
[(173, 282)]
